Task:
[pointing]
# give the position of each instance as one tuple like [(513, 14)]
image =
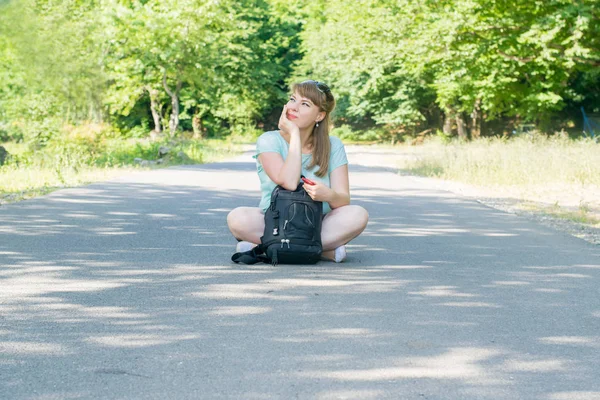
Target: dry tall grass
[(531, 160)]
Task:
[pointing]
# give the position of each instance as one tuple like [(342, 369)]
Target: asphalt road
[(125, 290)]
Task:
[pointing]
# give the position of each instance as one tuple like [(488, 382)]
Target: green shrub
[(347, 134), (244, 134)]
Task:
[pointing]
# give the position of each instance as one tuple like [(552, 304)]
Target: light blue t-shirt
[(272, 141)]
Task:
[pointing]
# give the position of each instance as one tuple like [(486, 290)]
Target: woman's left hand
[(318, 191)]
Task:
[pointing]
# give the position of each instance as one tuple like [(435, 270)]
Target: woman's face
[(303, 112)]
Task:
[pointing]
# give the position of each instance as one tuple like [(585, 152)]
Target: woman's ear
[(320, 116)]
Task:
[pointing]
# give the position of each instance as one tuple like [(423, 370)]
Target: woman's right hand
[(285, 124)]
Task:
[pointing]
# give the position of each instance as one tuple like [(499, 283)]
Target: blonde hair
[(320, 94)]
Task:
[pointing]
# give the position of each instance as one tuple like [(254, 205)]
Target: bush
[(244, 134), (346, 133)]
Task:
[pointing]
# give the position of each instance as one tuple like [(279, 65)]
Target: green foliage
[(75, 62), (222, 67), (347, 134), (77, 159), (225, 56), (356, 48), (394, 61), (516, 58), (443, 137)]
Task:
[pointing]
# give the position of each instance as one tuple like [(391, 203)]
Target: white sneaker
[(244, 246), (340, 254)]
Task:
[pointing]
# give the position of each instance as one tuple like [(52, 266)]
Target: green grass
[(73, 161)]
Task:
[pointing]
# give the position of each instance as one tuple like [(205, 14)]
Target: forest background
[(106, 82)]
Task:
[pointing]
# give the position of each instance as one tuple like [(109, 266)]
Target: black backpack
[(292, 230)]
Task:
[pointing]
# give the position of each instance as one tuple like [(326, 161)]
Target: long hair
[(321, 96)]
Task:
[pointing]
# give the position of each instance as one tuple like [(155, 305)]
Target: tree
[(391, 60), (217, 60), (55, 53)]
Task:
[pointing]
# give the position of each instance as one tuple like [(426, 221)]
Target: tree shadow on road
[(128, 285)]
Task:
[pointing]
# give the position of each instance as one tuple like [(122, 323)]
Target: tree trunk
[(174, 119), (448, 120), (462, 128), (3, 155), (154, 109), (476, 120), (197, 126)]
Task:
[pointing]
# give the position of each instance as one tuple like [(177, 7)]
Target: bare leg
[(340, 226), (246, 223)]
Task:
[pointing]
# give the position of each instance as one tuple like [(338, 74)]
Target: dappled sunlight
[(441, 262), (345, 312), (526, 365), (233, 311), (467, 304), (549, 277), (80, 215), (585, 266), (561, 267), (324, 358), (244, 291), (32, 348), (400, 267), (418, 231), (123, 214), (345, 333), (582, 395), (28, 285), (498, 234), (456, 364), (186, 272), (163, 216), (507, 283), (445, 323), (548, 290), (325, 335), (82, 201), (586, 341), (356, 394), (113, 232), (441, 291), (295, 289), (139, 340), (441, 215), (57, 310), (435, 292)]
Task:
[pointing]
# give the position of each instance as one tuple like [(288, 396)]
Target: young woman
[(302, 146)]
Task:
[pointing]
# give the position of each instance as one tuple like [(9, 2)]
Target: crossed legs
[(340, 226)]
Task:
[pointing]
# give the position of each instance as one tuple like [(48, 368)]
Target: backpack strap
[(251, 256)]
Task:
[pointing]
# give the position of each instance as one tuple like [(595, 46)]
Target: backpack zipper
[(293, 207)]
